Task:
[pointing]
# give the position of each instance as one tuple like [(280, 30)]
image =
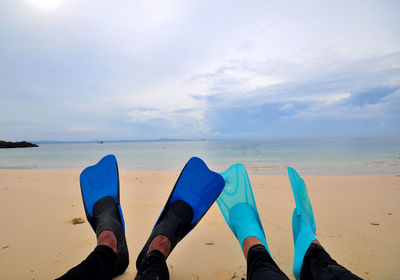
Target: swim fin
[(193, 194), (100, 194), (238, 206), (303, 222)]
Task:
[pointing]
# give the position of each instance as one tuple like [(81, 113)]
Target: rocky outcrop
[(22, 144)]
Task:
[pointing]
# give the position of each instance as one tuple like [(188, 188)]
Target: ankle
[(162, 244), (107, 238), (248, 243)]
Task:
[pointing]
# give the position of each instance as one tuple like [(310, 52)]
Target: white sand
[(38, 240)]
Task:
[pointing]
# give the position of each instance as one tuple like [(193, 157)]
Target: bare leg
[(154, 265), (162, 244), (107, 238), (251, 241), (248, 243), (260, 264)]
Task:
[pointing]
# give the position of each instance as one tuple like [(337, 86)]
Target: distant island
[(22, 144)]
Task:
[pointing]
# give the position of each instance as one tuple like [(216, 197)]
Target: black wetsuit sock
[(99, 265), (317, 264), (261, 266), (153, 267)]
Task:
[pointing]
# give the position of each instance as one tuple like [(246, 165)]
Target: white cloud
[(136, 63), (183, 123), (326, 99), (46, 4)]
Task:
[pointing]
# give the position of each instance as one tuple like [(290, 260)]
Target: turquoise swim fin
[(100, 194), (303, 222), (238, 206), (193, 194)]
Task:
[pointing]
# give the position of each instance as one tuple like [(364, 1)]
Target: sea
[(325, 157)]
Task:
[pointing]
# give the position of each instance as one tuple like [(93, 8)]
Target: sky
[(78, 70)]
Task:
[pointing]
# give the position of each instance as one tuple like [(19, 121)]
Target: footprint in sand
[(171, 268), (229, 274)]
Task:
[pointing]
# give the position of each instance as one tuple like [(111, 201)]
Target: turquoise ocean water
[(339, 156)]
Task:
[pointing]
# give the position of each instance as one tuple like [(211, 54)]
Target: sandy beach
[(358, 221)]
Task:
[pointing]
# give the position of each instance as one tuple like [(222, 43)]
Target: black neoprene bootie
[(172, 225), (106, 217)]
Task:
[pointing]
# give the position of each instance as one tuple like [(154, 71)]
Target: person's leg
[(238, 206), (195, 191), (100, 193), (303, 222), (318, 264), (260, 265), (164, 237), (100, 264), (154, 265), (110, 257), (311, 261)]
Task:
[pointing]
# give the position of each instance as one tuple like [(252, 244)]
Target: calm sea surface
[(339, 156)]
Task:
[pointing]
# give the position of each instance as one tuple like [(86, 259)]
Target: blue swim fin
[(193, 194), (98, 181), (303, 222), (100, 194), (238, 206)]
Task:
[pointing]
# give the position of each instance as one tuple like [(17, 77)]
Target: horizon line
[(196, 139)]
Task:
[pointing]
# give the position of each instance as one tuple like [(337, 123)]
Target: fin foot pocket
[(194, 192), (303, 222), (173, 225), (106, 217), (245, 223), (238, 206)]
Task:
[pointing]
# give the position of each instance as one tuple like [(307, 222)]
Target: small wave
[(382, 162), (377, 162), (21, 166), (265, 166)]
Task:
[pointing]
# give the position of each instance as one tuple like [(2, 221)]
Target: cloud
[(348, 91), (146, 69), (185, 123)]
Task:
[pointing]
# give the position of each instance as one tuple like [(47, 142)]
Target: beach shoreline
[(330, 157), (357, 217)]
